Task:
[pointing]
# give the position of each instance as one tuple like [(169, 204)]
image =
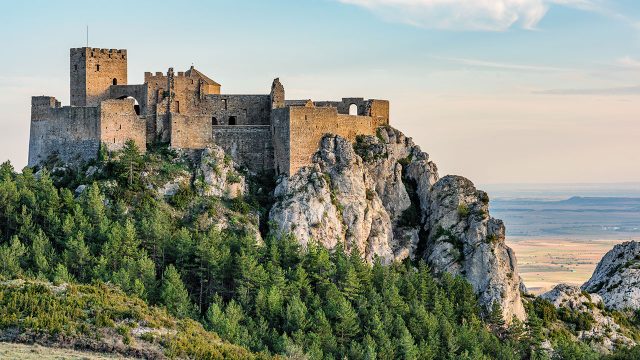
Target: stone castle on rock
[(264, 133)]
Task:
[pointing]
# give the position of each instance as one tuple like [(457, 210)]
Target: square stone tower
[(93, 71)]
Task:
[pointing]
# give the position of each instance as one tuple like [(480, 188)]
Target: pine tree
[(174, 295), (61, 275), (11, 258), (346, 324), (40, 253), (295, 316)]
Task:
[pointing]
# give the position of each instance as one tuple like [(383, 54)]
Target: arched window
[(115, 81), (232, 120), (214, 121), (353, 109)]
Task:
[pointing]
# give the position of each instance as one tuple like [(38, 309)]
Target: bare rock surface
[(604, 333), (464, 240), (217, 175), (617, 277), (382, 196)]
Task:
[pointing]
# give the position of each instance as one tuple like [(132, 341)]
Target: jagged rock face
[(334, 202), (464, 240), (617, 277), (381, 195), (605, 334), (217, 175)]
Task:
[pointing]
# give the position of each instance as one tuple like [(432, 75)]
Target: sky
[(499, 91)]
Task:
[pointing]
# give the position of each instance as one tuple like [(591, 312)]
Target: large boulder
[(617, 277), (382, 196)]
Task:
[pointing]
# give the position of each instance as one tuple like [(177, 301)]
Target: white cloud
[(485, 15)]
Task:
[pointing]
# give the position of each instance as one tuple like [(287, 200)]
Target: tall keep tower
[(93, 71)]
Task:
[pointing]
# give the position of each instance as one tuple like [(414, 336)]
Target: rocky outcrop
[(617, 277), (382, 196), (602, 332), (464, 240), (217, 176), (334, 202)]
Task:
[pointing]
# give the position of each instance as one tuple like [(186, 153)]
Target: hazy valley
[(560, 232)]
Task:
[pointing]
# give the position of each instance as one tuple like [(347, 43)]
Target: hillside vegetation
[(116, 266)]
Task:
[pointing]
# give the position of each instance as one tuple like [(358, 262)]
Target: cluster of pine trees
[(268, 296)]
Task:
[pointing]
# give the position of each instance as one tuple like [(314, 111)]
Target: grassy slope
[(102, 318)]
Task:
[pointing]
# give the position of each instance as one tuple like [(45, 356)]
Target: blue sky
[(499, 91)]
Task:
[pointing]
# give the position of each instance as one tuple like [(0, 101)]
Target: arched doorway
[(136, 106), (232, 120)]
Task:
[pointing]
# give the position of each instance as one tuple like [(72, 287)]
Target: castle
[(264, 133)]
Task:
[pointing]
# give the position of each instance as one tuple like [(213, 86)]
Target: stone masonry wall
[(71, 133), (246, 109), (120, 123), (248, 145), (190, 131), (309, 124)]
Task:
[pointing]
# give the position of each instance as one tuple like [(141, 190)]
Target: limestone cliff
[(617, 277), (382, 197)]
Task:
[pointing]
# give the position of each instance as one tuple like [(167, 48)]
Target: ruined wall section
[(93, 71), (243, 109), (281, 136), (70, 133), (120, 123), (373, 108), (247, 145), (309, 124)]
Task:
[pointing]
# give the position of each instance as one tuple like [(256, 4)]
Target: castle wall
[(71, 133), (120, 123), (190, 131), (93, 71), (309, 124), (248, 145)]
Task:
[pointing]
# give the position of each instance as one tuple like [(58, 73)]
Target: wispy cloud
[(484, 15), (623, 90), (502, 65), (628, 62)]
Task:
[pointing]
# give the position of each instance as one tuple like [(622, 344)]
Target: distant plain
[(560, 232)]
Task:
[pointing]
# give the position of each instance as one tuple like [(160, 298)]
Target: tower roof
[(195, 73)]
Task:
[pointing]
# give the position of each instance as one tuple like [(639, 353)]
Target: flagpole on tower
[(87, 35)]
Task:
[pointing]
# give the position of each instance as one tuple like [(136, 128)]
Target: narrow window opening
[(75, 67), (120, 127), (98, 67), (115, 81), (114, 140), (232, 120), (214, 121), (224, 103)]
